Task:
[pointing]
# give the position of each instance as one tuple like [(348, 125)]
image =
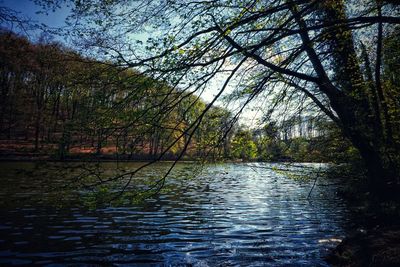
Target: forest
[(59, 105)]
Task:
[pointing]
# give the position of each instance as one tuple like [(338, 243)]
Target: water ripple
[(228, 216)]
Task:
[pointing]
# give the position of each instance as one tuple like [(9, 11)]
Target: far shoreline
[(113, 158)]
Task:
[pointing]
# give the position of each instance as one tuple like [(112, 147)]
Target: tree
[(243, 147), (274, 49)]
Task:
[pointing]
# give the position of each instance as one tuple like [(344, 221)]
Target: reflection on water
[(231, 215)]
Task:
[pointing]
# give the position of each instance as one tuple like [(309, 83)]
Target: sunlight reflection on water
[(232, 214)]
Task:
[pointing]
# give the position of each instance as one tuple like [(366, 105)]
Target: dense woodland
[(59, 104)]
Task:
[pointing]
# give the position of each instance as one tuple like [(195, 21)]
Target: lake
[(232, 214)]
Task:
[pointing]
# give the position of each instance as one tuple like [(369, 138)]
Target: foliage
[(243, 147), (295, 56), (62, 103)]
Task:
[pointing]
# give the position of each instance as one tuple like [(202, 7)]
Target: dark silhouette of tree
[(287, 51), (310, 48)]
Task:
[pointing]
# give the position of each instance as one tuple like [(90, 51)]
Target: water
[(230, 215)]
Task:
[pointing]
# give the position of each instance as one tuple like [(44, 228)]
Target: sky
[(29, 9)]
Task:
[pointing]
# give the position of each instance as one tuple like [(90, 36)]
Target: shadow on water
[(231, 214)]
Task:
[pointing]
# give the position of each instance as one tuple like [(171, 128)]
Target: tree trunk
[(37, 131), (352, 102)]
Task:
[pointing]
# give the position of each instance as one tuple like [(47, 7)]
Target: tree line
[(55, 101)]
